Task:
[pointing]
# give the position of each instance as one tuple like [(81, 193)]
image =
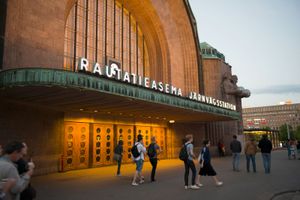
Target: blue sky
[(260, 40)]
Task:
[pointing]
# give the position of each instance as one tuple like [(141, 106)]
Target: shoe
[(118, 174), (199, 185), (186, 187), (134, 184), (153, 180), (142, 181), (219, 183), (195, 187)]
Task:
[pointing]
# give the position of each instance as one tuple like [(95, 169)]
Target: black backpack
[(151, 150), (183, 154), (135, 152)]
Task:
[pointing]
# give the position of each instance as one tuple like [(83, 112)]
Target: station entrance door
[(103, 144), (125, 133), (76, 145), (159, 133)]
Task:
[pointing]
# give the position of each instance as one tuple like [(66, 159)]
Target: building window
[(100, 30)]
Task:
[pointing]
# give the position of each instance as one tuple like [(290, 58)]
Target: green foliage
[(283, 133), (297, 133), (266, 128)]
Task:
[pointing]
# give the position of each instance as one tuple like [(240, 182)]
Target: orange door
[(76, 147), (145, 132), (159, 133), (103, 144), (125, 133)]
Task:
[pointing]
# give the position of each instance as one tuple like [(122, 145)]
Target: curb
[(292, 192)]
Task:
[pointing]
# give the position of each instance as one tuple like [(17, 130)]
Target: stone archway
[(171, 43), (149, 22)]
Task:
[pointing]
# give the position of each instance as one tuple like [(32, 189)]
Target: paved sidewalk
[(101, 183)]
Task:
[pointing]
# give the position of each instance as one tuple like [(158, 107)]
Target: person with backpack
[(138, 151), (188, 162), (153, 151)]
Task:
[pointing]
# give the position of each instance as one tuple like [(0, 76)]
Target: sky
[(260, 40)]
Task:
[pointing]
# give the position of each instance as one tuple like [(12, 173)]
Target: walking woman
[(118, 154), (206, 168)]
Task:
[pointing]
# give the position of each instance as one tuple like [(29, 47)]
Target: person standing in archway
[(153, 151)]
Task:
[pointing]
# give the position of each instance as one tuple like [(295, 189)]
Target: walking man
[(12, 153), (189, 163), (265, 146), (236, 148)]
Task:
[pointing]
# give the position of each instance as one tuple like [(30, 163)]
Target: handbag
[(117, 157)]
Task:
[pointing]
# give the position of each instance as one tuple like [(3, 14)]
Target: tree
[(266, 128), (297, 133), (283, 133)]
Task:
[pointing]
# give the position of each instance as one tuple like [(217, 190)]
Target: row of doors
[(93, 144)]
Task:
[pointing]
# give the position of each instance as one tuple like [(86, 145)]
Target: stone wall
[(34, 34), (41, 129), (180, 130), (213, 73)]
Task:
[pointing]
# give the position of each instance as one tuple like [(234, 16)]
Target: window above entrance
[(103, 30)]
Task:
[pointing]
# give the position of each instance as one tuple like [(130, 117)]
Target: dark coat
[(265, 145), (235, 146)]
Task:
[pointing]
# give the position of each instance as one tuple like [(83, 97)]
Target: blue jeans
[(139, 165), (252, 159), (267, 162), (235, 161)]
